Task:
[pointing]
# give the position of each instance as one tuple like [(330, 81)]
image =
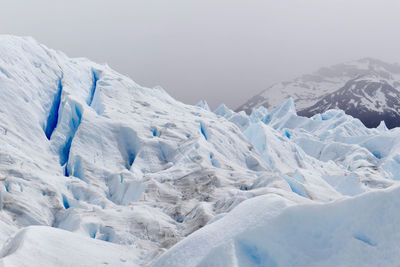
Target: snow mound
[(268, 231), (45, 246)]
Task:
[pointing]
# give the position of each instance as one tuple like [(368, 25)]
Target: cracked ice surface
[(133, 174)]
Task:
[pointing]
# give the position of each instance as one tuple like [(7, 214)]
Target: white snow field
[(96, 170)]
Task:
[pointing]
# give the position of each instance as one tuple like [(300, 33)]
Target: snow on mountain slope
[(367, 89), (87, 150), (368, 98)]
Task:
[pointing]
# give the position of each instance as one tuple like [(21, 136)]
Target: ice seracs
[(382, 126), (223, 111), (203, 104)]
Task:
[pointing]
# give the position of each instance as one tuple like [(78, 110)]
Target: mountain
[(97, 170), (368, 98), (367, 89)]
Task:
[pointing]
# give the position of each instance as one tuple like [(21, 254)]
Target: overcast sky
[(217, 50)]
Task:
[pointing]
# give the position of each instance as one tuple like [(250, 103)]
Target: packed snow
[(97, 170), (47, 246)]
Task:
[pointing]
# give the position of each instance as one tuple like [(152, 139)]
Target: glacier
[(98, 170)]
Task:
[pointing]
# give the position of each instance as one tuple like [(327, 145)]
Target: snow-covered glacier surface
[(96, 170)]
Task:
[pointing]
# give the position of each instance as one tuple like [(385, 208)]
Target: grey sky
[(221, 51)]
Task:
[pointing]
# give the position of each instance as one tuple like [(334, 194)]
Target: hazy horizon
[(223, 51)]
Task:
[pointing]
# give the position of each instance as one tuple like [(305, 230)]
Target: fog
[(220, 51)]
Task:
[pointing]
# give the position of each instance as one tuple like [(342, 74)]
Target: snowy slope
[(367, 89), (130, 172), (46, 246)]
